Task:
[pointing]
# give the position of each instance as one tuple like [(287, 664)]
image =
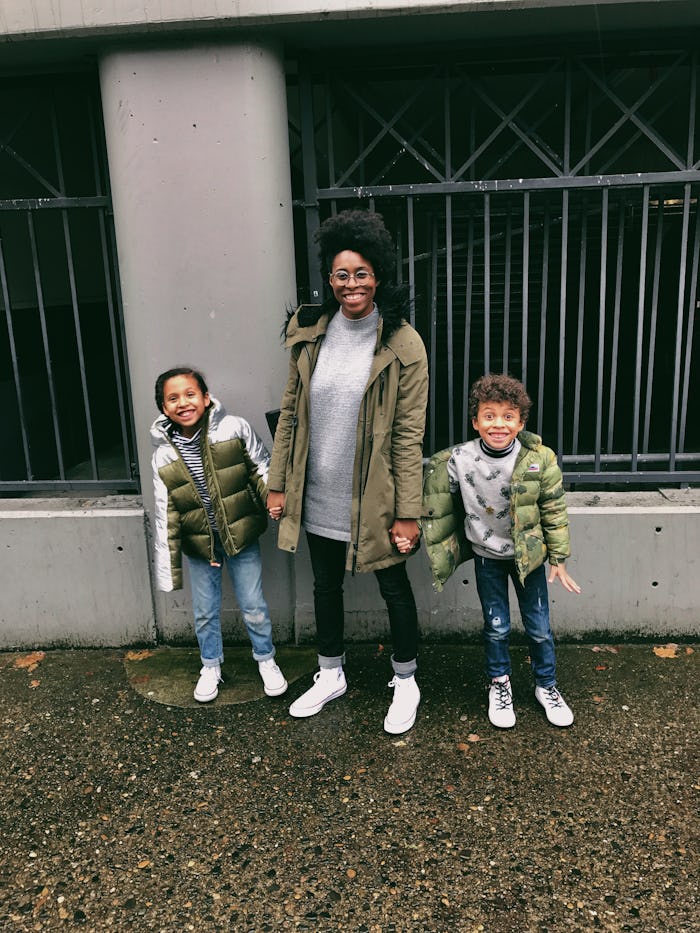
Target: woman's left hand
[(404, 534)]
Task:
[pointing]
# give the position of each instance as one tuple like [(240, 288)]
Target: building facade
[(162, 174)]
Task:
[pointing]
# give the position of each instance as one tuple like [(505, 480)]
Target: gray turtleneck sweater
[(337, 387)]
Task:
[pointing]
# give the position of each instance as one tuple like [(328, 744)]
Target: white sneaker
[(501, 712), (273, 679), (402, 712), (329, 683), (207, 688), (558, 713)]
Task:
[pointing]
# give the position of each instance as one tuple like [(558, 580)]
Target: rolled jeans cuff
[(404, 669), (329, 663)]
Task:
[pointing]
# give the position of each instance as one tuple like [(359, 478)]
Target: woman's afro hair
[(362, 232)]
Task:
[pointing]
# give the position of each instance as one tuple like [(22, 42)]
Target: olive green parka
[(387, 475), (539, 520)]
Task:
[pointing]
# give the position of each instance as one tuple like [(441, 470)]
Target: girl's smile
[(184, 403)]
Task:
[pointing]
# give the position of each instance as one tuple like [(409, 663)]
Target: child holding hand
[(209, 474), (499, 499)]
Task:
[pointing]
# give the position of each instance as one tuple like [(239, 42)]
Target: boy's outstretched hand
[(559, 570)]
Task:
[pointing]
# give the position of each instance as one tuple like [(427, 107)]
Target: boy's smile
[(184, 403), (497, 424)]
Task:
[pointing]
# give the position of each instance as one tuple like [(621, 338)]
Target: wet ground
[(127, 806)]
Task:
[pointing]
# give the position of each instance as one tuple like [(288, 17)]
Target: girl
[(209, 473)]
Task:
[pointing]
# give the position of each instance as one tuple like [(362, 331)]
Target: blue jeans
[(533, 599), (245, 571)]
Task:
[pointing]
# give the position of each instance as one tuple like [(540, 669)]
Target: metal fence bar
[(640, 326), (680, 310), (580, 321), (448, 320), (15, 361), (487, 284), (45, 342), (411, 259), (692, 307), (433, 331), (468, 297), (506, 292), (652, 324), (601, 326), (543, 318), (526, 282), (621, 180), (616, 323), (562, 319)]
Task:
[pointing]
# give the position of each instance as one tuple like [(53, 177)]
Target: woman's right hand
[(275, 504)]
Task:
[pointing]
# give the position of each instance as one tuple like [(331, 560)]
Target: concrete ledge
[(75, 573), (635, 556)]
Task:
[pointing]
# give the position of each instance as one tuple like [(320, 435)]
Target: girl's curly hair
[(362, 232), (499, 388), (170, 374)]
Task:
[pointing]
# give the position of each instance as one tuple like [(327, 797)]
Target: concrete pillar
[(199, 167)]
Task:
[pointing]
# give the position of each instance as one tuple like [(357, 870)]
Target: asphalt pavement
[(128, 806)]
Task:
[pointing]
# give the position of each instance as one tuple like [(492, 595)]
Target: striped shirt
[(190, 450)]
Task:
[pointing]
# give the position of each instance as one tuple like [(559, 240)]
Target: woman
[(347, 457)]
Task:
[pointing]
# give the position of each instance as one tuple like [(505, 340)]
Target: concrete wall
[(634, 555), (75, 573), (197, 143)]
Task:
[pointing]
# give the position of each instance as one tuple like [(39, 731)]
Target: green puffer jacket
[(235, 462), (539, 520), (388, 471)]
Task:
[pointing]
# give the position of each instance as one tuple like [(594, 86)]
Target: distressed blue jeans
[(245, 572), (492, 585)]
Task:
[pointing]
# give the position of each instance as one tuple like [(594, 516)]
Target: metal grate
[(546, 215), (61, 337)]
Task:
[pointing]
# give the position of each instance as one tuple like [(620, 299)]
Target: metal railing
[(546, 216), (61, 336)]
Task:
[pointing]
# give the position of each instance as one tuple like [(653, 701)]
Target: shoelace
[(553, 697), (503, 698)]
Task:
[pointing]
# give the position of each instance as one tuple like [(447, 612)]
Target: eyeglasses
[(342, 277)]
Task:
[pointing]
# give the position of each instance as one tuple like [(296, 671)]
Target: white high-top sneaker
[(402, 712), (329, 683)]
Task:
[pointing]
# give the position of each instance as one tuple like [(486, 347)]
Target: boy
[(514, 517)]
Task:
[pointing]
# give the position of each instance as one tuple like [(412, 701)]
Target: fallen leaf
[(138, 655), (33, 684), (29, 661), (473, 737), (666, 651), (601, 667), (351, 873), (609, 648), (144, 863), (462, 746), (597, 699)]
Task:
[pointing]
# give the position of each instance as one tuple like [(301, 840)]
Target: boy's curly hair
[(499, 388), (362, 232)]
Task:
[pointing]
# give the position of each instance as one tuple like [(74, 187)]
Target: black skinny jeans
[(328, 565)]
